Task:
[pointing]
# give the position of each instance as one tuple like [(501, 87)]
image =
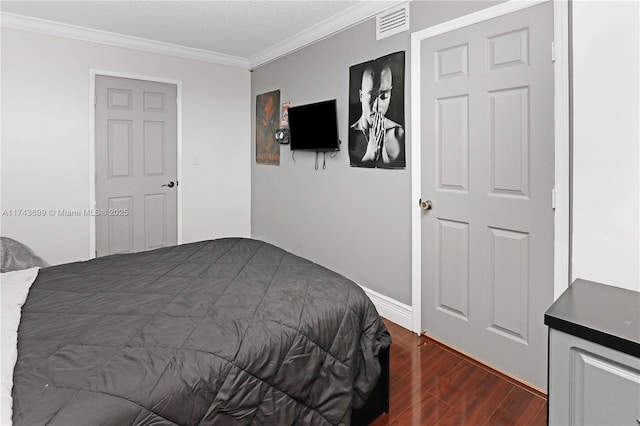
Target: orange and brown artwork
[(267, 122)]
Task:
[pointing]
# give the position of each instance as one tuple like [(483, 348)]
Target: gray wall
[(355, 221)]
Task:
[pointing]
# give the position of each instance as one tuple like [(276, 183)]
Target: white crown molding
[(351, 16), (21, 22)]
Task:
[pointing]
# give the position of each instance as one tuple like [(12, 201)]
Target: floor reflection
[(432, 385)]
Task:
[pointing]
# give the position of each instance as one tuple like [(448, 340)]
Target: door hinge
[(553, 198), (553, 51)]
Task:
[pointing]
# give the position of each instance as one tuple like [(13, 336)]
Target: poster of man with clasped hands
[(376, 113)]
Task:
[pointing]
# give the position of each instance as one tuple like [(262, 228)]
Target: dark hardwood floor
[(434, 385)]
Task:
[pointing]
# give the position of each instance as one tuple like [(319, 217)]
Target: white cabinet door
[(590, 384)]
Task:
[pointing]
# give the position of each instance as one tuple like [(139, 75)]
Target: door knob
[(426, 205), (170, 184)]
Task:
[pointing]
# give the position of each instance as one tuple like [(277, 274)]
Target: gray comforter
[(229, 331)]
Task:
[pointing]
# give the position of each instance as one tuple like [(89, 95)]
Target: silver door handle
[(170, 184), (426, 204)]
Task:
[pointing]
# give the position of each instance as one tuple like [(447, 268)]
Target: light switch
[(196, 161)]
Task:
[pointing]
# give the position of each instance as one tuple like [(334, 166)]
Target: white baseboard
[(391, 309)]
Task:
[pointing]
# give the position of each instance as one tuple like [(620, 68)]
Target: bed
[(228, 331)]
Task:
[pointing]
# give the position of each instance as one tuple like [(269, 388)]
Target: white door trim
[(561, 84), (561, 117), (92, 146)]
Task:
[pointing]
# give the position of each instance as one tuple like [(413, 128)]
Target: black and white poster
[(376, 113)]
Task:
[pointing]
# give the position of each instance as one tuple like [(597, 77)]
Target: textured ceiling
[(236, 28)]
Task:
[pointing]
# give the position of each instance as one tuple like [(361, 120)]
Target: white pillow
[(14, 288)]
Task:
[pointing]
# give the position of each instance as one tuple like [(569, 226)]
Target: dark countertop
[(603, 314)]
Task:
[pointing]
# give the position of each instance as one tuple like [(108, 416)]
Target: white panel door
[(487, 166), (136, 165)]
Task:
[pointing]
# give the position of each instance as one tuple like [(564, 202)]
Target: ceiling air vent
[(392, 22)]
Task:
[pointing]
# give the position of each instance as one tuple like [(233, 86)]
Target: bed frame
[(378, 402)]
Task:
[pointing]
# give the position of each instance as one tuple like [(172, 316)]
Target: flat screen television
[(314, 127)]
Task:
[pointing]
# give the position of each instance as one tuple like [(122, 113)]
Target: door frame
[(560, 197), (93, 74)]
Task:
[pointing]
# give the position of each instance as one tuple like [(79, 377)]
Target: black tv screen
[(314, 127)]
